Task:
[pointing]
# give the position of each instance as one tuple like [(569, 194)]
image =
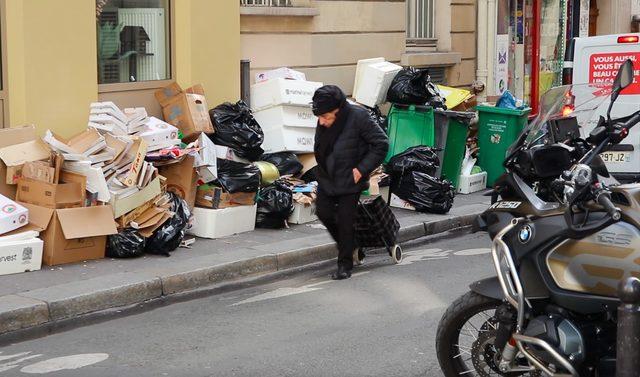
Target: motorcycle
[(563, 235)]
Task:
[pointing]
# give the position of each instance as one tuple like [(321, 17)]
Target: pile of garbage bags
[(412, 179), (275, 205)]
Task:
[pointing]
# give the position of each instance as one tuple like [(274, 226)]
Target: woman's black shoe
[(341, 274)]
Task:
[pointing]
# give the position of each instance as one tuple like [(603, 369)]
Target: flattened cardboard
[(70, 238), (182, 179), (130, 203), (124, 220), (85, 141), (40, 171), (62, 195), (14, 156), (137, 152), (216, 198)]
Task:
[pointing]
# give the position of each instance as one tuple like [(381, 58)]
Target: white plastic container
[(279, 91), (303, 214), (373, 78), (472, 183), (217, 223), (284, 72)]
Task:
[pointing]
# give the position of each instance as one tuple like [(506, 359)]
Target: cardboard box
[(279, 91), (50, 195), (308, 161), (12, 215), (303, 213), (159, 133), (373, 78), (14, 156), (468, 184), (283, 73), (182, 179), (186, 110), (19, 255), (216, 198), (216, 223), (396, 202), (125, 205), (206, 161), (68, 236), (12, 136)]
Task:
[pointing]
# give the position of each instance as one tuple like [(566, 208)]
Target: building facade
[(325, 38), (59, 56)]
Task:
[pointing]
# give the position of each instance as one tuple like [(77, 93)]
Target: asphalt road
[(381, 322)]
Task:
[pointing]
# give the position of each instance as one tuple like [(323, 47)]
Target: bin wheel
[(396, 253), (358, 257)]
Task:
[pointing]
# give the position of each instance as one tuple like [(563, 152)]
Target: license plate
[(616, 157)]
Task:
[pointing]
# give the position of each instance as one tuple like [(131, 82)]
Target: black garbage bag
[(425, 193), (168, 237), (409, 87), (236, 128), (420, 158), (126, 244), (238, 177), (436, 100), (275, 205), (377, 116), (310, 175), (286, 162)]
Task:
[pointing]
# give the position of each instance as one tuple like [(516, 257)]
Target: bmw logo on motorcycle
[(526, 232)]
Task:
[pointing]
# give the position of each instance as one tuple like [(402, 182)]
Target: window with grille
[(133, 40), (265, 3), (420, 21)]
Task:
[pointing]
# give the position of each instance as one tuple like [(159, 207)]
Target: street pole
[(628, 334), (245, 80)]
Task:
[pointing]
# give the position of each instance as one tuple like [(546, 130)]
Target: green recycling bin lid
[(502, 110)]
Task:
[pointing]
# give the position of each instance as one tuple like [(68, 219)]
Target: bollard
[(628, 334), (245, 80)]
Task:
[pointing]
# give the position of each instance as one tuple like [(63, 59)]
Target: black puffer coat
[(362, 144)]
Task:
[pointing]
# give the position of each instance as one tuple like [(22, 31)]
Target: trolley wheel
[(358, 256), (396, 253)]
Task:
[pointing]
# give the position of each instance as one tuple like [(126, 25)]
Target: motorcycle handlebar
[(605, 201), (632, 121)]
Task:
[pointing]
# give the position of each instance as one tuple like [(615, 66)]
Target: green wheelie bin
[(498, 128), (456, 126)]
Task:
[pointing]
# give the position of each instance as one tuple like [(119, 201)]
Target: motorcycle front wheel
[(465, 338)]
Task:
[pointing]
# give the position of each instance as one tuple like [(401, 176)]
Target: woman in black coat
[(349, 145)]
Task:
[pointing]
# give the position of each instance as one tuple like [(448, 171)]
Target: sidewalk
[(63, 292)]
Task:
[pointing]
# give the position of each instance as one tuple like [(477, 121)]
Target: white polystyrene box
[(472, 183), (284, 72), (289, 139), (303, 213), (217, 223), (278, 92), (18, 256), (289, 116), (374, 79)]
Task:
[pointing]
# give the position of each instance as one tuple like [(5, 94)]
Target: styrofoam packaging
[(20, 256), (284, 73), (374, 79), (289, 139), (290, 116), (303, 214), (472, 183), (12, 215), (282, 92), (217, 223)]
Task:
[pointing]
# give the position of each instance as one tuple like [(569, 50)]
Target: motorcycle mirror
[(624, 78)]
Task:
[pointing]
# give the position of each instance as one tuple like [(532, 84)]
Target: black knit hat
[(327, 99)]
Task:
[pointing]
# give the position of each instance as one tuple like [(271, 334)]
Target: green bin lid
[(501, 110)]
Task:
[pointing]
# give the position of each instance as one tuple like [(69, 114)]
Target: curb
[(48, 306)]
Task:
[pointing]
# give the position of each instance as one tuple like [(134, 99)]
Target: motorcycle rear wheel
[(464, 339)]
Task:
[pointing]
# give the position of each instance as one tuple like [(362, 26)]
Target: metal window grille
[(420, 19), (265, 3)]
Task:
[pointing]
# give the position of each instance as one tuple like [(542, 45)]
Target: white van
[(595, 60)]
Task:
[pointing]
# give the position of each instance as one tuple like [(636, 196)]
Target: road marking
[(65, 363), (289, 291), (412, 257), (468, 252), (15, 363)]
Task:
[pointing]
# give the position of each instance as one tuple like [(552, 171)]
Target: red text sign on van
[(603, 68)]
